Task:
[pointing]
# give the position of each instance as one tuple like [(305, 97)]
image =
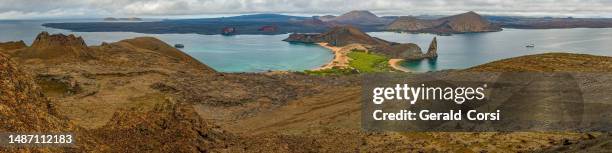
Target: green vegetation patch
[(368, 62)]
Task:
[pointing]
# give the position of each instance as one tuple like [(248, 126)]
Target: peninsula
[(346, 39)]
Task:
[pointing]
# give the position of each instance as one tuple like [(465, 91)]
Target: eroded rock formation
[(57, 47)]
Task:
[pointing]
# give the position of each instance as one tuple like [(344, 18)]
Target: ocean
[(460, 51), (240, 53)]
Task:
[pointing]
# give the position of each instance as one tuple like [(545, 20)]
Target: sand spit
[(396, 64)]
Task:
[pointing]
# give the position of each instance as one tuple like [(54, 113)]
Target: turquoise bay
[(241, 53)]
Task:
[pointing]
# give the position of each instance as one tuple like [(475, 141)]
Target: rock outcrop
[(461, 23), (57, 47), (433, 49), (409, 53)]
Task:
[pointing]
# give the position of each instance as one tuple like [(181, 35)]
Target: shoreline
[(396, 65), (340, 57)]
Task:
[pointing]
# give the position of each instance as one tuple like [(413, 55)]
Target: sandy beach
[(341, 59), (396, 64)]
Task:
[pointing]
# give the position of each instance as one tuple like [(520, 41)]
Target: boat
[(530, 46), (179, 46)]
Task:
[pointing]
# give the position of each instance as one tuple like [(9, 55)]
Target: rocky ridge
[(56, 47)]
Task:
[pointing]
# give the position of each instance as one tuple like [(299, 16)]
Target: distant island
[(271, 24), (122, 19), (461, 23)]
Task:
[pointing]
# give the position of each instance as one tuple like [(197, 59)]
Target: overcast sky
[(23, 9)]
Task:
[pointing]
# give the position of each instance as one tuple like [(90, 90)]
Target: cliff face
[(57, 46), (461, 23), (432, 52)]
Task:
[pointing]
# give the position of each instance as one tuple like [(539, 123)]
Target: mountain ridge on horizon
[(274, 23)]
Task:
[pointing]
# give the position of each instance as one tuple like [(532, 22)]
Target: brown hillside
[(169, 127), (24, 108), (345, 35), (12, 45), (549, 62), (142, 48)]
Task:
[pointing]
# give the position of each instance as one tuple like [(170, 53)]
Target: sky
[(42, 9)]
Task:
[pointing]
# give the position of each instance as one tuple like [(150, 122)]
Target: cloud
[(11, 9)]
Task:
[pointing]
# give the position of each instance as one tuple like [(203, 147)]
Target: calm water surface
[(466, 50), (242, 53)]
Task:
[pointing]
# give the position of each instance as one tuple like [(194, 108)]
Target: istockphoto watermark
[(479, 102)]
